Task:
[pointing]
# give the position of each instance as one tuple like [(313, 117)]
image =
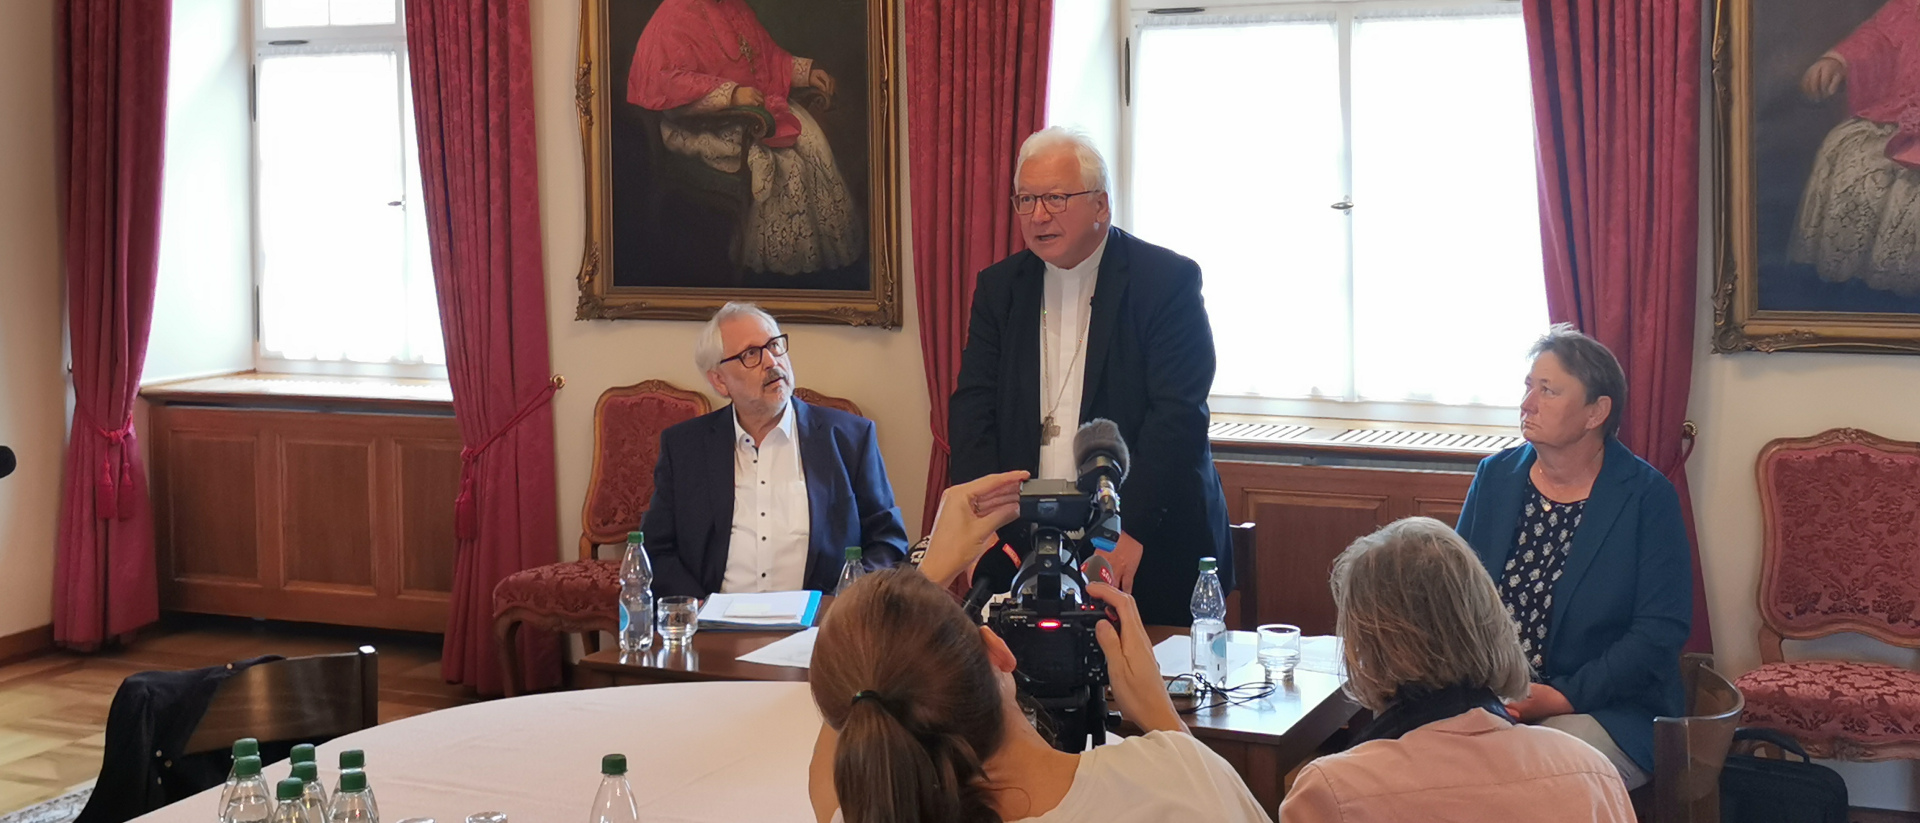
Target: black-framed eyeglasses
[(751, 356), (1055, 203)]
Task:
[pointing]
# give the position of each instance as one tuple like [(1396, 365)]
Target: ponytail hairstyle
[(903, 676)]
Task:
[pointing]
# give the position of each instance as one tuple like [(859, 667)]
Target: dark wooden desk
[(1263, 739)]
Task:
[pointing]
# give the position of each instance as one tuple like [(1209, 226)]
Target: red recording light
[(1049, 625)]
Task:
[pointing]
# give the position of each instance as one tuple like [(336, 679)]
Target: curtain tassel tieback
[(465, 517), (113, 488)]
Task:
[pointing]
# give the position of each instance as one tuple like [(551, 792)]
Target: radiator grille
[(1360, 438)]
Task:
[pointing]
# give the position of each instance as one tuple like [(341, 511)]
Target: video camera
[(1048, 619)]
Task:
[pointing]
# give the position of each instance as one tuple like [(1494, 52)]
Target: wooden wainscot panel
[(334, 517), (1307, 515)]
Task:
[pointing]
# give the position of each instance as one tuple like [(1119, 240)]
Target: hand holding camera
[(1138, 689)]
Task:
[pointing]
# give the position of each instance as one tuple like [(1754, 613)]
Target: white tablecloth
[(696, 753)]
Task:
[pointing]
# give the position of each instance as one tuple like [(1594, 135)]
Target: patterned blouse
[(1544, 539)]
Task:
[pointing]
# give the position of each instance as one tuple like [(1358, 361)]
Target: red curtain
[(472, 65), (976, 87), (113, 120), (1616, 87)]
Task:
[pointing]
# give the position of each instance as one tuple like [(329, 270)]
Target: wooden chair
[(1245, 600), (300, 699), (582, 596), (1841, 511), (814, 398), (1689, 751)]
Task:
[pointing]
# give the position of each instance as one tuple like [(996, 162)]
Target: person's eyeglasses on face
[(750, 357), (1055, 203)]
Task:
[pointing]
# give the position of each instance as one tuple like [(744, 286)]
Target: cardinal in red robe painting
[(1860, 213), (703, 57)]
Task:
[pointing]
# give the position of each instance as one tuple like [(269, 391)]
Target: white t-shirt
[(1153, 778)]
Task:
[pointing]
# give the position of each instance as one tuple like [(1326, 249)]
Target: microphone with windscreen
[(1101, 455), (992, 575), (7, 461)]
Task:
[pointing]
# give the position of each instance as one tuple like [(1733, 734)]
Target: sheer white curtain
[(1237, 156), (344, 268), (1246, 131), (1448, 288)]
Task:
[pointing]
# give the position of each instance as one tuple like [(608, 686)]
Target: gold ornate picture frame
[(1816, 208), (703, 187)]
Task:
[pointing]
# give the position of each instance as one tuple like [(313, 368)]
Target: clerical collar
[(1090, 265)]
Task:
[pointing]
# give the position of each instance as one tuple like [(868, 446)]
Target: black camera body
[(1047, 622)]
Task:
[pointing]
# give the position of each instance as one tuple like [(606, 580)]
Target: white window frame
[(1343, 13), (388, 38)]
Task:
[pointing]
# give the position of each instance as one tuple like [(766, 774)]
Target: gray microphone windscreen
[(1097, 437)]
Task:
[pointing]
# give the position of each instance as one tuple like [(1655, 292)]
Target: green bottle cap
[(247, 766), (353, 780), (308, 771), (636, 537), (246, 746), (302, 753), (853, 552), (353, 759), (290, 788), (1208, 564), (613, 764)]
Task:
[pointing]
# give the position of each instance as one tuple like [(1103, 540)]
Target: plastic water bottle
[(350, 760), (850, 571), (1209, 633), (250, 801), (353, 800), (244, 747), (313, 796), (290, 809), (614, 802), (302, 753), (636, 596)]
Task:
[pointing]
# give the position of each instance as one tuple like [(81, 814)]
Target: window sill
[(1269, 436), (385, 395)]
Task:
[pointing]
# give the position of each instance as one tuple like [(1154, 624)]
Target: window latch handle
[(1344, 205)]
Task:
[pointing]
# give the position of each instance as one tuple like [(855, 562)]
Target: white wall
[(879, 370), (32, 381), (203, 304)]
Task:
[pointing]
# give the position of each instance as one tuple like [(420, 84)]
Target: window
[(342, 267), (1357, 182)]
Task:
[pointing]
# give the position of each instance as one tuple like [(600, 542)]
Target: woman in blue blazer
[(1585, 542)]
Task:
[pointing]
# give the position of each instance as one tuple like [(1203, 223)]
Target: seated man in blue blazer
[(767, 493)]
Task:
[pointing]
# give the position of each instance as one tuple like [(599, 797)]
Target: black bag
[(1779, 790)]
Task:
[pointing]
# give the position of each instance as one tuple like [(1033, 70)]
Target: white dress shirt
[(767, 551), (1063, 364)]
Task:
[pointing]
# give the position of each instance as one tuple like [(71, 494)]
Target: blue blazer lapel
[(1108, 290), (816, 462), (1504, 510), (717, 455), (1604, 504)]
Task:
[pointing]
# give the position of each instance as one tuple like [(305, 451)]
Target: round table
[(696, 753)]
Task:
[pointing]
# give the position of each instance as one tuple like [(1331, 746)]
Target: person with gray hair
[(1092, 322), (768, 493), (1590, 554), (1429, 648)]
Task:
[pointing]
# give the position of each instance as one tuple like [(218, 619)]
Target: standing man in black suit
[(1092, 322)]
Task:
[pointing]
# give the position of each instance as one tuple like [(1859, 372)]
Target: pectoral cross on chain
[(1048, 431)]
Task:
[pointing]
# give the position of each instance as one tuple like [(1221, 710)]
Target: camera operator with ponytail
[(922, 721)]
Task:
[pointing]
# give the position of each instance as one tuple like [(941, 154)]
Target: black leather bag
[(1756, 789)]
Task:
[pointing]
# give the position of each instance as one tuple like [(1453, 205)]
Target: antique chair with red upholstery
[(1841, 553), (583, 596), (814, 398)]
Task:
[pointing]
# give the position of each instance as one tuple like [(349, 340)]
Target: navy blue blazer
[(1624, 607), (690, 521)]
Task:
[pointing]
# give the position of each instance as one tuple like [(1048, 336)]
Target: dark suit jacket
[(1622, 610), (850, 501), (1149, 366)]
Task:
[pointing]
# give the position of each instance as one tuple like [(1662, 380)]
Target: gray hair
[(1591, 364), (1416, 609), (1093, 167), (706, 348)]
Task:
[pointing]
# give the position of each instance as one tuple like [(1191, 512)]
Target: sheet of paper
[(795, 650), (1175, 654), (759, 609), (1321, 653)]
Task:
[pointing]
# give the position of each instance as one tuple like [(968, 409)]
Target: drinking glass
[(487, 817), (679, 618), (1279, 650)]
